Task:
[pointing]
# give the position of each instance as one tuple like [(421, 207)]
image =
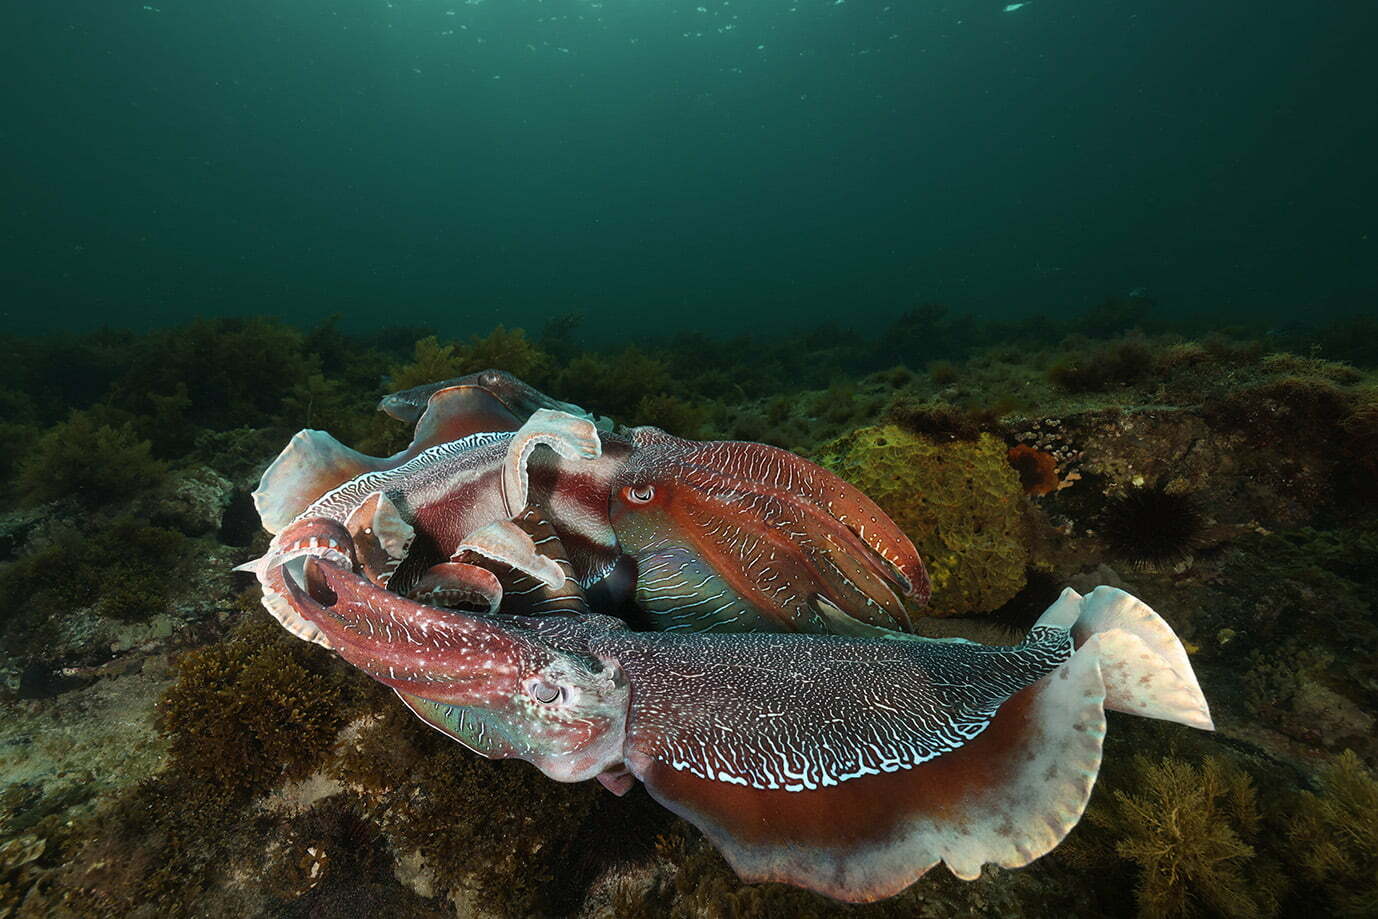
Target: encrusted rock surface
[(960, 502)]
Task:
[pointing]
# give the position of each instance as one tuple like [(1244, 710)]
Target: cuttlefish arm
[(526, 557), (849, 766), (747, 537), (316, 537)]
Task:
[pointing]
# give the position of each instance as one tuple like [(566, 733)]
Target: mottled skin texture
[(846, 764), (722, 536)]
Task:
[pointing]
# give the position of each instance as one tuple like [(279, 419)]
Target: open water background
[(671, 164)]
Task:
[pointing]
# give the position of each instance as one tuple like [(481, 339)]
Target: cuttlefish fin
[(457, 412), (516, 397), (526, 595), (381, 537), (1005, 796), (505, 542), (571, 436), (1127, 628), (312, 464), (277, 601)]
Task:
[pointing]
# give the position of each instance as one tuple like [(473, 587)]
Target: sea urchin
[(1152, 527)]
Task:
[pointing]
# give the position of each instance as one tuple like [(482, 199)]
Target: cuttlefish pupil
[(639, 494), (545, 693)]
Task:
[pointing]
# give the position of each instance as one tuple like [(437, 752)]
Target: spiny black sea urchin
[(1152, 527)]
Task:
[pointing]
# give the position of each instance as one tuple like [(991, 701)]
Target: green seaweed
[(1116, 364), (19, 871), (680, 417), (613, 384), (91, 462), (958, 500), (254, 710), (431, 362), (1353, 339), (160, 849), (1274, 679), (943, 373), (72, 569), (1312, 625), (18, 434), (942, 421), (1335, 834), (501, 349), (1361, 442), (499, 829), (510, 350), (1193, 832), (211, 373), (334, 861)]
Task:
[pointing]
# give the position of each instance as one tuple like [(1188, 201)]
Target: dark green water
[(681, 163)]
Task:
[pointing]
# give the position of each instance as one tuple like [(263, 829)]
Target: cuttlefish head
[(491, 683), (734, 536)]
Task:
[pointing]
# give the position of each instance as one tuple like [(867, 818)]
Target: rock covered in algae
[(960, 502)]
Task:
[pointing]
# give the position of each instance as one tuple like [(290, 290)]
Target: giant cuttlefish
[(702, 536), (848, 765), (848, 762)]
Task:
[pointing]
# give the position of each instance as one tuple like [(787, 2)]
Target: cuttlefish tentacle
[(849, 766), (503, 541), (525, 595)]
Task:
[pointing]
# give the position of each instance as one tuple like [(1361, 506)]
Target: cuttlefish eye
[(639, 494), (544, 692)]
